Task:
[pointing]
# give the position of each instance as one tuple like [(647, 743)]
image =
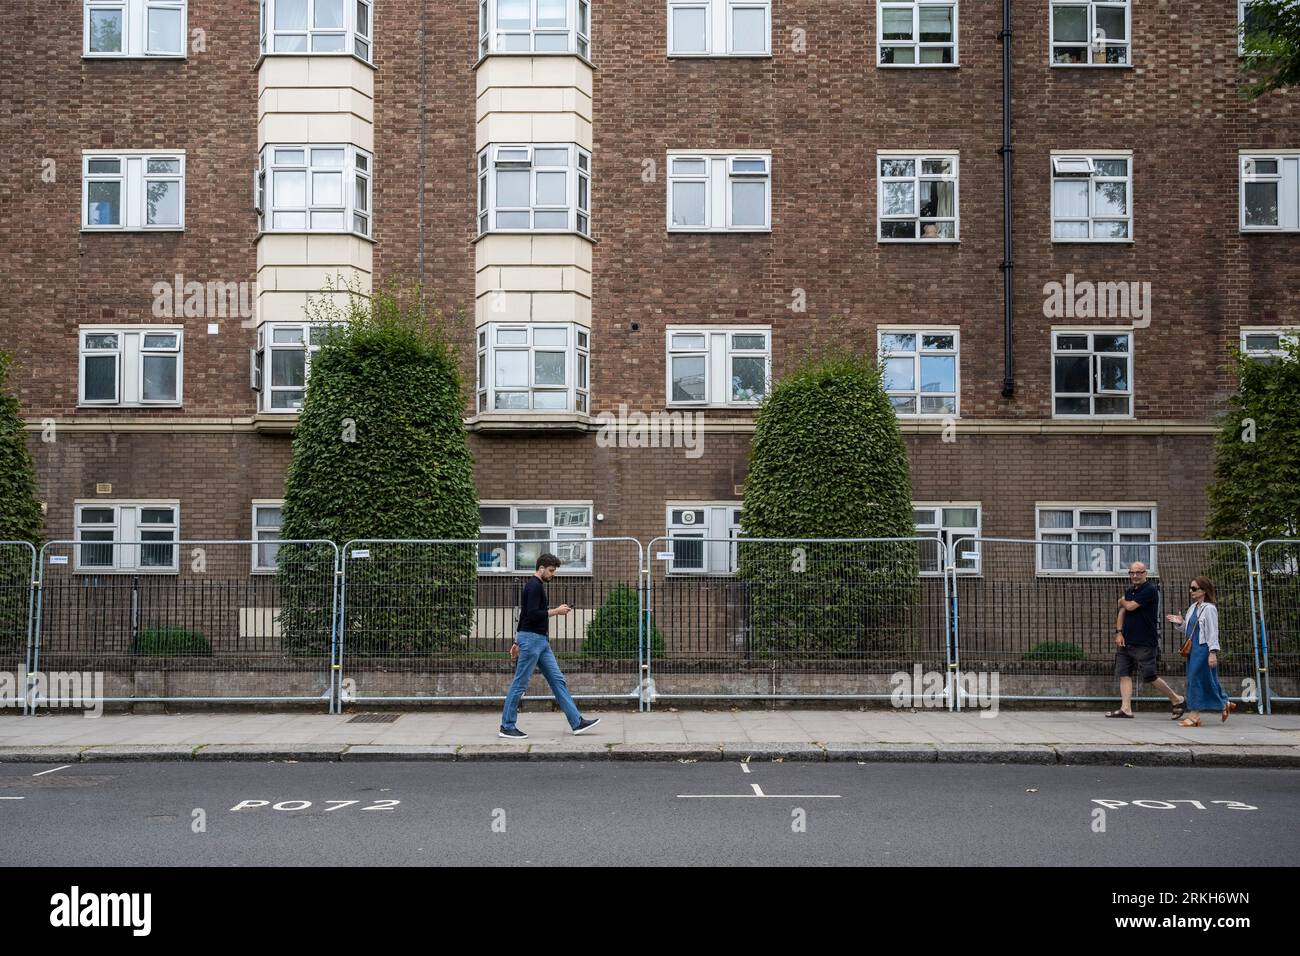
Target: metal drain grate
[(373, 718)]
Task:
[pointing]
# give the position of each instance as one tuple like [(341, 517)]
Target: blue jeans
[(535, 651)]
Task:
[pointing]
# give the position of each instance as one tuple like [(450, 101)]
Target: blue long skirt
[(1203, 689)]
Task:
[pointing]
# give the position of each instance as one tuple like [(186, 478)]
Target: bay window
[(282, 362), (309, 188), (534, 26), (316, 26), (534, 188), (533, 367)]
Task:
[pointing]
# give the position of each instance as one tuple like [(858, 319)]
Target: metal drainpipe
[(1008, 260)]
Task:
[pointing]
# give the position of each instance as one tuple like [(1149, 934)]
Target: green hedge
[(380, 452), (170, 641), (20, 517), (612, 632), (828, 461)]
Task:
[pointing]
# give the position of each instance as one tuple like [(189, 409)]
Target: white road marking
[(44, 772), (758, 791), (745, 768), (13, 798), (758, 796)]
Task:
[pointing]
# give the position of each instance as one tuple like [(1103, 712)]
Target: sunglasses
[(1195, 590)]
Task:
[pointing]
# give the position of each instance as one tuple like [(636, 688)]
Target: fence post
[(643, 631)]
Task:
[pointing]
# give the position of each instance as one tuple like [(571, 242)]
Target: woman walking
[(1202, 628)]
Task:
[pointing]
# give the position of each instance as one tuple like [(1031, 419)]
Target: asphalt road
[(422, 814)]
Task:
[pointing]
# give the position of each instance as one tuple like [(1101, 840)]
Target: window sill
[(548, 53), (335, 54), (109, 406), (531, 421), (720, 56), (135, 56), (917, 66), (313, 232), (1092, 242), (275, 422), (687, 231), (1267, 231), (1090, 66), (918, 242), (112, 230), (532, 232), (132, 571)]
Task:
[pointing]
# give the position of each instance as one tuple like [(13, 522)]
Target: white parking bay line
[(44, 772), (13, 798), (758, 796)]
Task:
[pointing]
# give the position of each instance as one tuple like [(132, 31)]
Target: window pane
[(1072, 342), (938, 373), (1070, 24), (163, 166), (104, 166), (688, 554), (1111, 167), (898, 342), (1261, 204), (104, 204), (898, 167), (896, 24), (288, 367), (328, 43), (165, 30), (1111, 199), (897, 54), (287, 399), (292, 43), (163, 203), (512, 188), (748, 204), (1073, 374), (1261, 342), (329, 14), (291, 14), (327, 158), (101, 378), (1113, 374), (512, 336), (1110, 22), (749, 342), (1111, 406), (157, 516), (688, 341), (903, 405), (689, 167), (938, 198), (1056, 519), (1071, 199), (1070, 230), (552, 189), (513, 14), (688, 378), (327, 189), (550, 401), (938, 342), (101, 340), (159, 340), (1135, 519), (551, 220), (688, 204), (159, 378), (548, 368), (899, 199), (327, 220), (550, 336), (690, 30), (97, 516), (900, 375), (748, 379), (575, 517), (551, 13), (513, 220), (1106, 229), (512, 369), (936, 24), (490, 517), (748, 30), (267, 517), (290, 188), (96, 555), (1110, 343), (106, 31), (964, 518)]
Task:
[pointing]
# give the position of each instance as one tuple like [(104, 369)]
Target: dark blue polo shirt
[(1142, 627)]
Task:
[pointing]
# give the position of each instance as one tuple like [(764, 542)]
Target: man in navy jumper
[(532, 648)]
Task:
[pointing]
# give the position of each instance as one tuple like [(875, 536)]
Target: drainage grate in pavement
[(373, 718)]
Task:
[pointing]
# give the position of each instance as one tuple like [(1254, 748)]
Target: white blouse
[(1207, 624)]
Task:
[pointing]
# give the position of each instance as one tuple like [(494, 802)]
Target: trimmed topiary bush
[(20, 518), (170, 641), (612, 632), (828, 461), (380, 452)]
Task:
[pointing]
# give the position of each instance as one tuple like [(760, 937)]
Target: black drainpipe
[(1008, 265)]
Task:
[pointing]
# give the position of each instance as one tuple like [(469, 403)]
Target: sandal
[(1192, 721), (1228, 708), (1178, 709), (1119, 713)]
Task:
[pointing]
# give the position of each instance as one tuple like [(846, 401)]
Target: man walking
[(1137, 642), (532, 648)]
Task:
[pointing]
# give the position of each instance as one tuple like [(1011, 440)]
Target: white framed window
[(1092, 197), (513, 535), (921, 370), (541, 187), (917, 197), (1270, 191), (1268, 344), (281, 364), (316, 26), (1090, 32), (533, 367), (702, 537), (719, 365), (130, 367), (720, 192), (719, 27), (311, 188), (132, 190), (1081, 539), (534, 26), (948, 522), (116, 536), (134, 28), (1092, 374), (916, 33), (267, 522)]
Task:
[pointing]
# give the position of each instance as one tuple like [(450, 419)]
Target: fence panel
[(1278, 565), (762, 618), (189, 620), (434, 620), (17, 572), (1041, 614)]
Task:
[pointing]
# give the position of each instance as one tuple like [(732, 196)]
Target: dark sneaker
[(515, 734), (585, 726)]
